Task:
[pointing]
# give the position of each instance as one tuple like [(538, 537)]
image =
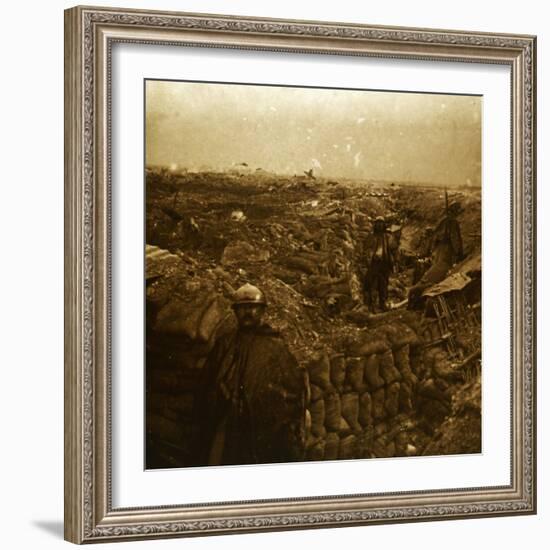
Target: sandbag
[(307, 383), (387, 368), (338, 371), (407, 337), (379, 446), (428, 357), (399, 334), (240, 252), (383, 448), (316, 451), (344, 428), (311, 440), (303, 264), (401, 356), (317, 257), (213, 315), (390, 332), (350, 410), (372, 372), (355, 373), (378, 408), (180, 317), (411, 379), (392, 399), (317, 411), (286, 275), (368, 343), (401, 359), (333, 412), (380, 429), (348, 447), (402, 444), (332, 446), (405, 397), (319, 371), (307, 422), (389, 451), (316, 392), (364, 443), (416, 359), (365, 409), (335, 288), (410, 318)]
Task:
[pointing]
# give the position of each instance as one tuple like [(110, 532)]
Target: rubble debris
[(241, 252), (159, 262), (238, 216)]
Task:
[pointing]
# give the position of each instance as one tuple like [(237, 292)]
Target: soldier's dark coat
[(250, 407), (380, 260)]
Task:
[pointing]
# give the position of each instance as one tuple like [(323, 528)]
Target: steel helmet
[(248, 294), (455, 207)]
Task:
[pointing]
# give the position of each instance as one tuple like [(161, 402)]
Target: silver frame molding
[(89, 36)]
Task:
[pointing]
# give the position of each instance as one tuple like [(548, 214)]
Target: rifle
[(447, 234)]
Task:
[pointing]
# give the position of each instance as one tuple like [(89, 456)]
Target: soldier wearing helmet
[(249, 306), (380, 260), (251, 405), (447, 250)]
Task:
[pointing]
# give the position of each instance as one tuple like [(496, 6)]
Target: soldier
[(251, 404), (446, 251), (380, 260)]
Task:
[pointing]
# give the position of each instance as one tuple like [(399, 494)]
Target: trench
[(381, 384)]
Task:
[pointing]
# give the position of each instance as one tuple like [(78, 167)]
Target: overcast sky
[(339, 133)]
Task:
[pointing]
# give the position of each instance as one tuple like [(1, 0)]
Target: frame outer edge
[(73, 433), (530, 161), (83, 519), (534, 93)]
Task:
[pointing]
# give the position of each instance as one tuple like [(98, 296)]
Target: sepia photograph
[(313, 274)]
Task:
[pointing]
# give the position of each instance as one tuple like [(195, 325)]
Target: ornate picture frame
[(90, 34)]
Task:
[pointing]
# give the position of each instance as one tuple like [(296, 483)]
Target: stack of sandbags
[(350, 411), (333, 417), (332, 446), (197, 318), (359, 396), (338, 372), (317, 412), (399, 334), (318, 369), (334, 406), (367, 342), (355, 375)]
